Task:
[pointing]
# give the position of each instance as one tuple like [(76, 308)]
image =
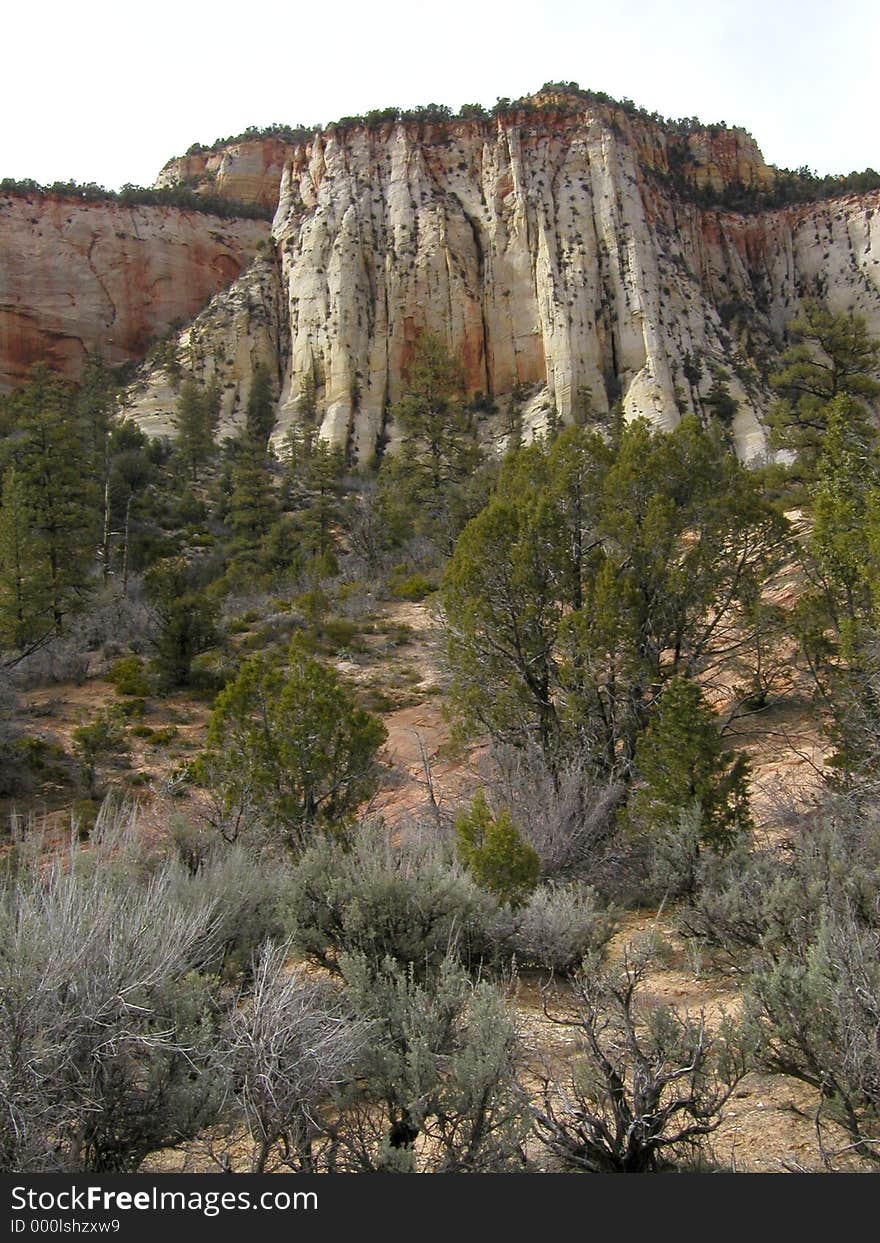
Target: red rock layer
[(79, 277)]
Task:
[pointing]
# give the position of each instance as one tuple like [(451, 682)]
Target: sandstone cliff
[(76, 277), (565, 252), (242, 326), (560, 252), (248, 171)]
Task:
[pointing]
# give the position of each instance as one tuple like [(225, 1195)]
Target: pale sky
[(108, 91)]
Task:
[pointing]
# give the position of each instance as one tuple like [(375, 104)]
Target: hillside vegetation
[(438, 817)]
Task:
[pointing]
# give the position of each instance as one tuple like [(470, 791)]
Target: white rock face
[(551, 253), (241, 327)]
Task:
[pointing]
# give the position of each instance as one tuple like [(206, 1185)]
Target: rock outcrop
[(561, 252), (242, 326), (554, 254), (248, 171), (565, 252), (78, 277)]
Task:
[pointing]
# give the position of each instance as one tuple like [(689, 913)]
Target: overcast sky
[(108, 91)]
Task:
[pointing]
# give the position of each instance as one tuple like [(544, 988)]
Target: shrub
[(682, 765), (492, 849), (128, 676), (98, 741), (382, 901), (814, 992), (413, 587), (293, 748), (185, 620), (104, 1026), (11, 741), (113, 622), (291, 1040), (732, 906), (437, 1089), (556, 927), (246, 894), (816, 1007), (566, 813), (647, 1083), (210, 672)]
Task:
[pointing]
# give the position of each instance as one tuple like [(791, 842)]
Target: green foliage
[(304, 539), (681, 762), (411, 586), (381, 900), (721, 404), (438, 1090), (195, 419), (493, 851), (186, 620), (17, 753), (260, 413), (54, 450), (432, 485), (98, 741), (814, 993), (253, 508), (128, 676), (179, 196), (832, 357), (593, 577), (835, 619), (292, 748), (24, 575), (321, 482), (830, 387)]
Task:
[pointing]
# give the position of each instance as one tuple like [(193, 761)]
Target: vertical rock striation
[(554, 254), (564, 251)]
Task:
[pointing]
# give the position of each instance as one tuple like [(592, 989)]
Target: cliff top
[(716, 164)]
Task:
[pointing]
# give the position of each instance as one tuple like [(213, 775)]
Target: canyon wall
[(247, 171), (564, 252), (78, 277)]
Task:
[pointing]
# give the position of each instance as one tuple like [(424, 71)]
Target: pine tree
[(308, 399), (196, 419), (252, 505), (493, 850), (294, 746), (186, 619), (322, 483), (260, 413), (54, 452), (847, 478), (722, 405), (436, 475), (833, 355), (96, 403), (593, 577), (24, 588), (681, 761), (836, 619)]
